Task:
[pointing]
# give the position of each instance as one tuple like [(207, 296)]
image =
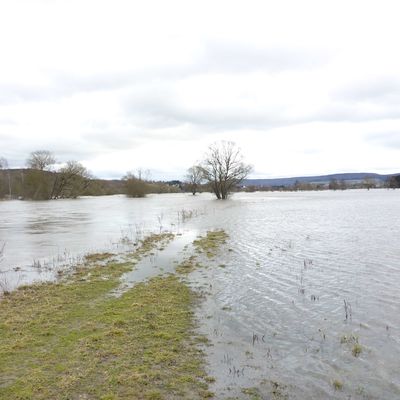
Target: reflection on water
[(276, 314)]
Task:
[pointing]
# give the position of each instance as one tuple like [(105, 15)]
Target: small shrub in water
[(337, 385), (357, 349)]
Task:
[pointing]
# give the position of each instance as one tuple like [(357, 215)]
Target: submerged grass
[(71, 340), (207, 245), (353, 341), (210, 243), (337, 385), (98, 257), (188, 265)]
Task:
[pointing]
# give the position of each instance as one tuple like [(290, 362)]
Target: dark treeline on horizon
[(392, 182)]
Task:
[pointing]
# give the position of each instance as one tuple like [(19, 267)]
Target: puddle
[(159, 262)]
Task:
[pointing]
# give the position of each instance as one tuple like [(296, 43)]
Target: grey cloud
[(236, 58), (350, 112), (151, 109), (97, 142), (163, 110), (381, 90), (166, 115), (7, 122), (216, 57), (60, 86), (17, 152), (387, 139), (88, 145), (14, 93)]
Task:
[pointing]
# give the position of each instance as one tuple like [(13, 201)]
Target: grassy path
[(71, 340)]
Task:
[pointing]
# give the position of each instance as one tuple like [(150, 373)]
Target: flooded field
[(304, 302)]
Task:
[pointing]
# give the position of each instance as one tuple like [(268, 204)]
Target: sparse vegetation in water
[(71, 340), (98, 257), (150, 242), (208, 245), (211, 242), (353, 341), (5, 286), (185, 215), (349, 339), (276, 390), (356, 350), (188, 265), (337, 385), (348, 312), (252, 393)]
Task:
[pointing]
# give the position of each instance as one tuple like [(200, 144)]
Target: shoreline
[(74, 339)]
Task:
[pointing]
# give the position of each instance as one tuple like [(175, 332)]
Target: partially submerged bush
[(134, 186)]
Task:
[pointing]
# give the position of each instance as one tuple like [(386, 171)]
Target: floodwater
[(275, 300), (40, 237)]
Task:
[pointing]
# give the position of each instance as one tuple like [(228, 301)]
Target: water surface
[(275, 310)]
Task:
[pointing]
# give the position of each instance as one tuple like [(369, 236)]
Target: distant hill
[(322, 179)]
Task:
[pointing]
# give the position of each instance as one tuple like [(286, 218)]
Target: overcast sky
[(303, 87)]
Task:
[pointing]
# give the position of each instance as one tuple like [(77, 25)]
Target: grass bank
[(72, 340)]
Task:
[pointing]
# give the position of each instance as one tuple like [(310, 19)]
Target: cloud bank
[(127, 85)]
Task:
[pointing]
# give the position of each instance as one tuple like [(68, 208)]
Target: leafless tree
[(41, 160), (142, 174), (368, 183), (223, 168), (71, 181), (3, 163), (194, 178), (4, 166)]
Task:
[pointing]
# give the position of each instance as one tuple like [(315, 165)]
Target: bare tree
[(71, 181), (194, 178), (3, 163), (142, 174), (4, 166), (368, 183), (41, 160), (223, 168)]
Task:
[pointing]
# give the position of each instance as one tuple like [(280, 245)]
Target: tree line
[(42, 180), (221, 171)]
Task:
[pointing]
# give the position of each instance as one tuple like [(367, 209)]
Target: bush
[(135, 187)]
